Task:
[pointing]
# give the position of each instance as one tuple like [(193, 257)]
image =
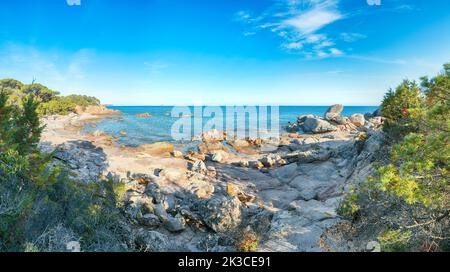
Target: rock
[(150, 220), (302, 118), (285, 173), (123, 133), (268, 161), (314, 210), (334, 113), (177, 154), (175, 224), (316, 125), (213, 136), (198, 167), (144, 115), (293, 127), (256, 164), (234, 191), (96, 110), (373, 246), (358, 120), (219, 156), (158, 149), (221, 213), (377, 113), (153, 241), (194, 156), (212, 146)]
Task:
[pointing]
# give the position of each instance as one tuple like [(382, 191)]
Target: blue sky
[(224, 52)]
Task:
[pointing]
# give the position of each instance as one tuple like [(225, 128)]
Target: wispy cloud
[(300, 24), (352, 37), (73, 2), (29, 62)]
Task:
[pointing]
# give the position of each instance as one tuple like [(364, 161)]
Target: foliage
[(50, 102), (394, 240), (248, 242), (41, 206), (398, 105), (412, 189)]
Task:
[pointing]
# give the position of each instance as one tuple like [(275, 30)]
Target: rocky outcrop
[(286, 196), (96, 110)]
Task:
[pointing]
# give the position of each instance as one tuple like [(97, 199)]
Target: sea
[(159, 126)]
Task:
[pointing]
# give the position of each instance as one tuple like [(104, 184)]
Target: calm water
[(144, 130)]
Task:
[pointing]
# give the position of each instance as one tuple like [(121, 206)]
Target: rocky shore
[(273, 194)]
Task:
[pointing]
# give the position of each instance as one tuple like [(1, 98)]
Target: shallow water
[(157, 128)]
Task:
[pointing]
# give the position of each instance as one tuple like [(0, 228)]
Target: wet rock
[(144, 115)]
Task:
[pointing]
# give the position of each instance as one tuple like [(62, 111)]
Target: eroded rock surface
[(284, 190)]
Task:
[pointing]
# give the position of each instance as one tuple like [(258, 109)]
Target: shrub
[(398, 105), (248, 242), (41, 205), (394, 241), (412, 189)]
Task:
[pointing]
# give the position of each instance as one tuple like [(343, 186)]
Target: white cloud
[(73, 2), (312, 20), (300, 24), (293, 45)]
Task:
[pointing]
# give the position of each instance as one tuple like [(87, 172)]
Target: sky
[(224, 52)]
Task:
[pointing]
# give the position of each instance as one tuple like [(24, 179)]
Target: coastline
[(294, 183)]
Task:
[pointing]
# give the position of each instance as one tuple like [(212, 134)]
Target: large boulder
[(316, 125), (334, 113), (358, 120), (221, 213)]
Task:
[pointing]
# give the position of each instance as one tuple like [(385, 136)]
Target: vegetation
[(50, 102), (410, 191), (42, 207)]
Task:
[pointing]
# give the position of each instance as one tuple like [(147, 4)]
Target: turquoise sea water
[(145, 130)]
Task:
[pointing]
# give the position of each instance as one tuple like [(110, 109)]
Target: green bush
[(412, 189), (50, 102), (394, 241), (41, 206), (398, 107)]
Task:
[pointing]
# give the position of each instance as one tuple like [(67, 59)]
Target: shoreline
[(293, 184)]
